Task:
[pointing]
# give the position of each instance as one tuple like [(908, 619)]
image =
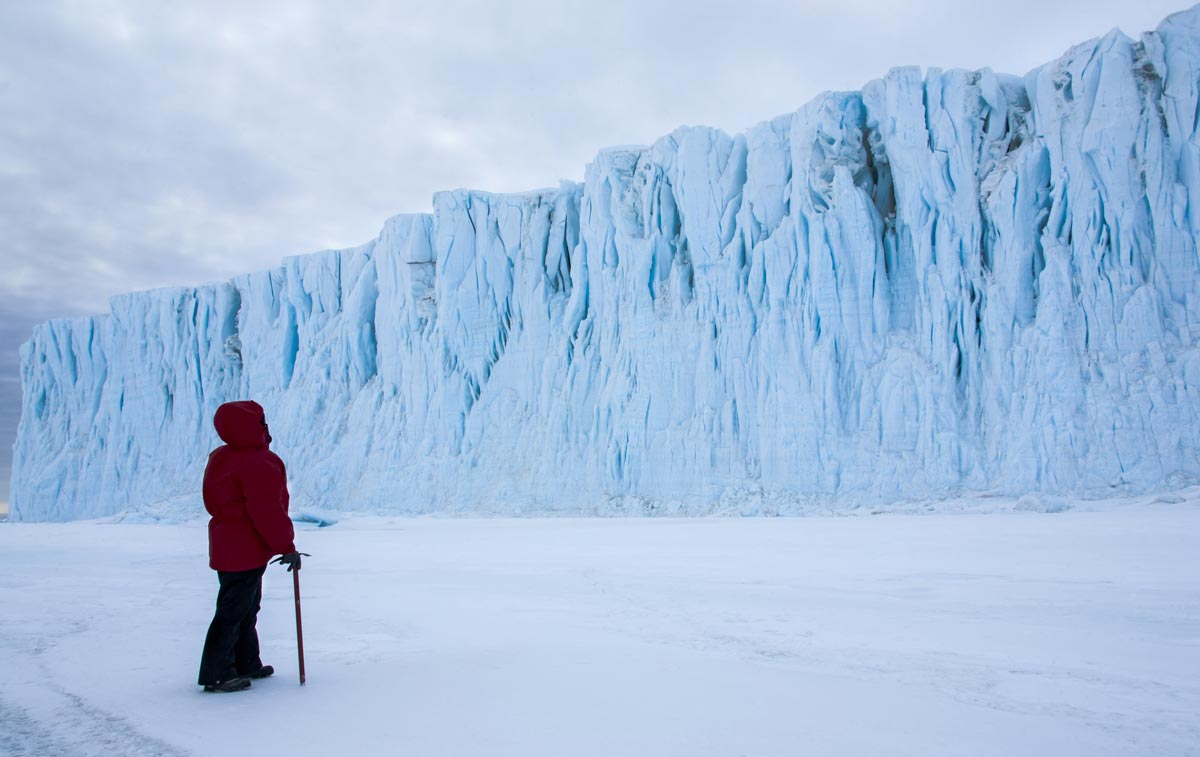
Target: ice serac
[(946, 283)]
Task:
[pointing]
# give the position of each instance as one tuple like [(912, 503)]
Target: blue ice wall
[(944, 283)]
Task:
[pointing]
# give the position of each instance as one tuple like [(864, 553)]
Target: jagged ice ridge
[(960, 283)]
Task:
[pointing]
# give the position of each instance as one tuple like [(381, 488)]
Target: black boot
[(232, 684), (266, 671)]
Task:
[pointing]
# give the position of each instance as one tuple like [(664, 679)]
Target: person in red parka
[(245, 492)]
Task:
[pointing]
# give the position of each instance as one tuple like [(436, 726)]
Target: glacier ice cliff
[(942, 284)]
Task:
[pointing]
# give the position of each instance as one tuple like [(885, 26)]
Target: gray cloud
[(146, 144)]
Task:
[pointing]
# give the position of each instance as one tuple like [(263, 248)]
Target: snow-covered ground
[(1018, 633)]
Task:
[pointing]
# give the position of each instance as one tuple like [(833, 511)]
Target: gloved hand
[(291, 560)]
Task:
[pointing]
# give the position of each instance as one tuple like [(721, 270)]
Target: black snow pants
[(231, 647)]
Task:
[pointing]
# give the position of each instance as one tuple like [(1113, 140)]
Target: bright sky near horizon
[(147, 144)]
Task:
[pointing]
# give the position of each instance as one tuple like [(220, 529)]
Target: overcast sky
[(145, 144)]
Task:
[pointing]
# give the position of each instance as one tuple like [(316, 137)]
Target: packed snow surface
[(943, 283), (1013, 633)]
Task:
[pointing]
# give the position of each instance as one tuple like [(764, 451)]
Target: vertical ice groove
[(950, 281)]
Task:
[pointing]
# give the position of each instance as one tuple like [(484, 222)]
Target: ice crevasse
[(941, 284)]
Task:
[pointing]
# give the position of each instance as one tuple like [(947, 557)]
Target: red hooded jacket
[(245, 492)]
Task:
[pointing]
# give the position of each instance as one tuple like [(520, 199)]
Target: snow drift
[(962, 282)]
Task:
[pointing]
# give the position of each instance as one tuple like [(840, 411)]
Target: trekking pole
[(294, 569), (299, 626)]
